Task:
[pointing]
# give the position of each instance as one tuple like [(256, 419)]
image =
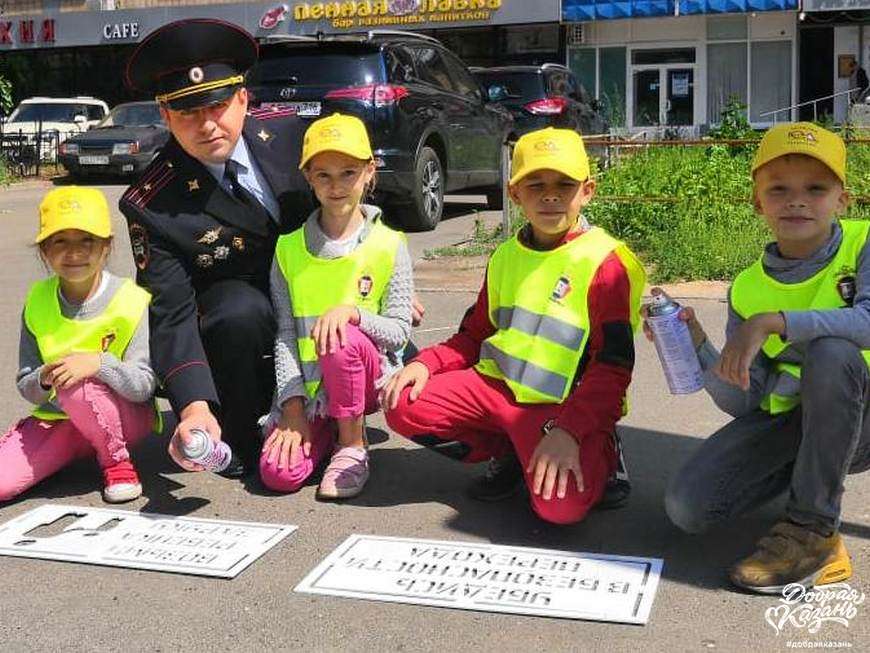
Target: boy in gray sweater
[(793, 372)]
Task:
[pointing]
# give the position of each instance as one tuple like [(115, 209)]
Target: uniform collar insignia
[(263, 135), (192, 185)]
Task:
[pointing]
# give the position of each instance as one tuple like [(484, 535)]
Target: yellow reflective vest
[(538, 305), (57, 336), (317, 284), (754, 291)]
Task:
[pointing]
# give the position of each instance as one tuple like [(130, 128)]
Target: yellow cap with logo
[(802, 138), (561, 150), (74, 207), (336, 133)]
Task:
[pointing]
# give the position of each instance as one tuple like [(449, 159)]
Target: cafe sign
[(383, 13)]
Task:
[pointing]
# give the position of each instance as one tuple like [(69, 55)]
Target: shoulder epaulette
[(152, 181), (268, 113)]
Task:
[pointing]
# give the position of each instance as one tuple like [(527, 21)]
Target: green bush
[(4, 172)]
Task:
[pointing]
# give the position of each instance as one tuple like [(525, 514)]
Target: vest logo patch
[(364, 285), (107, 341), (561, 290), (846, 285)]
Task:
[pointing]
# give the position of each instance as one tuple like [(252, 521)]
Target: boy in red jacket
[(542, 361)]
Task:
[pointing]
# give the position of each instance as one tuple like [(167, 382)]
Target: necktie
[(231, 173)]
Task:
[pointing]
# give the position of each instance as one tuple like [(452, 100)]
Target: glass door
[(680, 93), (647, 97)]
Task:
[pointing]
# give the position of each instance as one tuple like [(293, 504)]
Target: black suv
[(543, 96), (431, 127)]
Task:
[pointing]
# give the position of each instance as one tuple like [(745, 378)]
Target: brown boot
[(792, 554)]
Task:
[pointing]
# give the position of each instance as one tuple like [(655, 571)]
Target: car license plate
[(94, 160), (305, 108)]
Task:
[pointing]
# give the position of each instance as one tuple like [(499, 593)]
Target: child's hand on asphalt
[(414, 374), (329, 332), (743, 346), (555, 458), (70, 370), (687, 315)]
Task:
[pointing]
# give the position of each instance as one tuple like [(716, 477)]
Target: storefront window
[(771, 78), (726, 77), (611, 67), (582, 64)]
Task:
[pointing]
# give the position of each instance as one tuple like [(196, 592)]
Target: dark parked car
[(123, 143), (543, 96), (431, 127)]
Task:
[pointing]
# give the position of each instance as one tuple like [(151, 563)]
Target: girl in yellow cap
[(342, 288), (83, 356)]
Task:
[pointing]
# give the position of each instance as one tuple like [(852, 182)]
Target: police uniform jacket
[(187, 232)]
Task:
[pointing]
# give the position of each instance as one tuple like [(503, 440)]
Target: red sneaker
[(122, 483)]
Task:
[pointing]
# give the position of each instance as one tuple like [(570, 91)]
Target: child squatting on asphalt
[(793, 372), (541, 362), (342, 286), (83, 356)]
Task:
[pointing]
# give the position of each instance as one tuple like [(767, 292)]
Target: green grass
[(685, 210), (4, 172)]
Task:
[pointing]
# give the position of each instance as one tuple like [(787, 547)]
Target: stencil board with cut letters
[(474, 576), (119, 538)]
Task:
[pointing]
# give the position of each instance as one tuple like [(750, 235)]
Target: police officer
[(203, 221)]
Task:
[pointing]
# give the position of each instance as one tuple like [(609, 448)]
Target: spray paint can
[(673, 343), (202, 450)]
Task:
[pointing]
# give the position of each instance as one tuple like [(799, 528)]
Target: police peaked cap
[(192, 63)]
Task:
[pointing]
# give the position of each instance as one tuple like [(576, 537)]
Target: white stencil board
[(489, 577), (120, 538)]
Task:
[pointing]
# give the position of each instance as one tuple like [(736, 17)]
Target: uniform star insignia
[(147, 187), (193, 185), (264, 135)]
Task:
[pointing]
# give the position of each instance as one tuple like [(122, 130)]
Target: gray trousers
[(807, 451)]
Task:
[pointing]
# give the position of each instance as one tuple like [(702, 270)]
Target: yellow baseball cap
[(561, 150), (336, 133), (802, 138), (74, 207)]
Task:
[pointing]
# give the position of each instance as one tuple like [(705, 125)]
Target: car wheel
[(428, 193)]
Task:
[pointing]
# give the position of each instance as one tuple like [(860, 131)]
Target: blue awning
[(586, 10)]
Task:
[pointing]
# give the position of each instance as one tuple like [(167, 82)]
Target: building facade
[(653, 64)]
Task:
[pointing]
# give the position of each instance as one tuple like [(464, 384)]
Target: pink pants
[(100, 422), (349, 376), (481, 418)]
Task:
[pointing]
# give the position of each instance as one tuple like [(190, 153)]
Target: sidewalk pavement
[(413, 493)]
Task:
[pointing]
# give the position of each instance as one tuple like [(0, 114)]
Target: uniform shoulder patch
[(270, 113), (152, 181), (139, 245)]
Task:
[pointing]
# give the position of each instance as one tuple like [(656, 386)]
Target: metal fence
[(31, 153)]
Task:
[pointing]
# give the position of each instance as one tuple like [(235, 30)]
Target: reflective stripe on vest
[(754, 291), (538, 305), (57, 336), (317, 285)]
